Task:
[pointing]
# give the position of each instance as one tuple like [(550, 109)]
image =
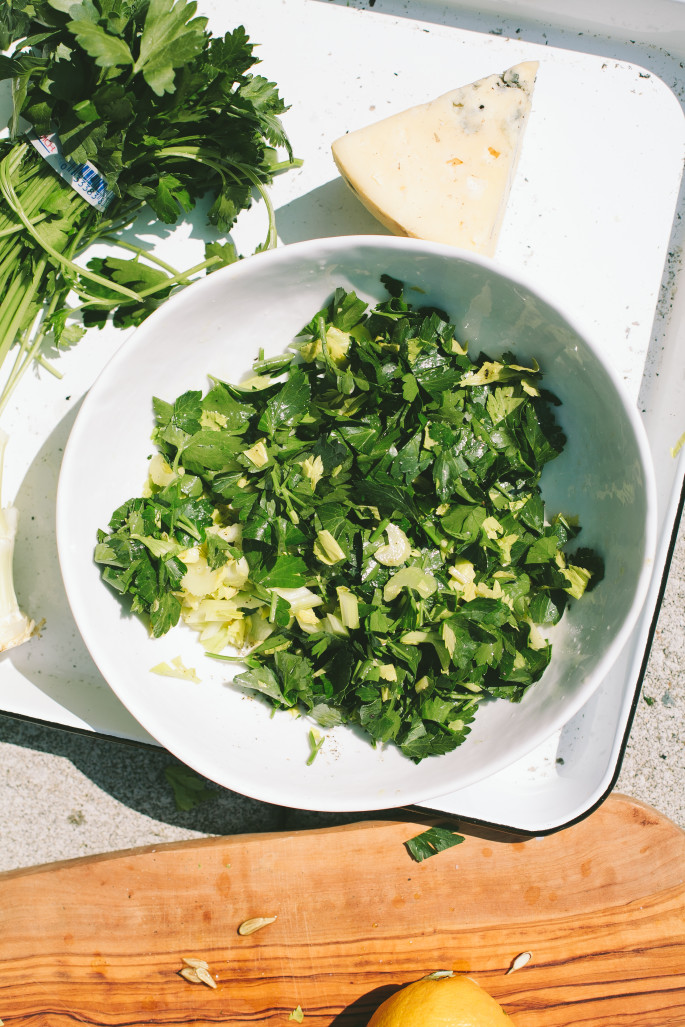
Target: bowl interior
[(216, 327)]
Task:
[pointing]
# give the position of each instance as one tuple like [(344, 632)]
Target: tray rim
[(678, 491)]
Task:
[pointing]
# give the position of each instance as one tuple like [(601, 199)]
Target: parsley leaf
[(109, 51), (171, 38), (432, 841)]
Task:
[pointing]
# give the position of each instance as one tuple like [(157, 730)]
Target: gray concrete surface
[(65, 795)]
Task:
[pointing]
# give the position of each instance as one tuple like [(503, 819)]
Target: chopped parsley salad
[(360, 524)]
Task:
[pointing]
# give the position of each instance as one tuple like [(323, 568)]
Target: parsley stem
[(233, 659), (286, 165), (196, 153), (433, 534), (10, 195), (180, 278), (27, 299), (9, 332), (141, 253), (377, 532), (9, 258), (185, 525), (28, 352)]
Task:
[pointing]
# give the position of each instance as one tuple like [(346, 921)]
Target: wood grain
[(601, 906)]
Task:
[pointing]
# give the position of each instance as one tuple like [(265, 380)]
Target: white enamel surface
[(597, 224), (216, 327)]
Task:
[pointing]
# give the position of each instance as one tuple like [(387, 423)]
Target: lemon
[(454, 1001)]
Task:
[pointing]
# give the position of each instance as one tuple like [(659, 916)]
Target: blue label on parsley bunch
[(85, 179)]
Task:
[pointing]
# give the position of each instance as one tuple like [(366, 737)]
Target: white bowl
[(216, 327)]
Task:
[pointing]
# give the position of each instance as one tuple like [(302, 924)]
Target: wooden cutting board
[(600, 906)]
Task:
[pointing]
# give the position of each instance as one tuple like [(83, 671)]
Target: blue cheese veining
[(443, 170)]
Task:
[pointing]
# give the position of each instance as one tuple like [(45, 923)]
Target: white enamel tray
[(594, 217)]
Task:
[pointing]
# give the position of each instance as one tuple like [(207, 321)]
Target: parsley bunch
[(365, 515), (166, 112)]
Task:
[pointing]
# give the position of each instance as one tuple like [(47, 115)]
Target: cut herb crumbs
[(175, 669), (520, 961), (364, 518), (297, 1014), (432, 841), (255, 923)]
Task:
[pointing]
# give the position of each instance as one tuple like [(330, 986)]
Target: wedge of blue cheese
[(443, 170)]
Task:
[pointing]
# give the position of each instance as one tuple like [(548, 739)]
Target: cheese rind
[(443, 170)]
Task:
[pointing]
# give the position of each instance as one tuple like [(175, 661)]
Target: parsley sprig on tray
[(364, 519)]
